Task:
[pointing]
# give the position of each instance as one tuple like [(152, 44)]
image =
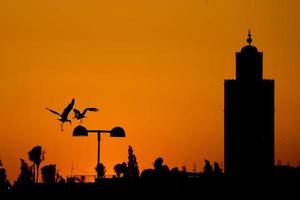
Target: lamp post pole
[(98, 139), (98, 144), (115, 132)]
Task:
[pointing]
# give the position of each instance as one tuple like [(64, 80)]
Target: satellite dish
[(117, 132), (80, 131)]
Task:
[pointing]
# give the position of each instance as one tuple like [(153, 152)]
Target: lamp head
[(80, 131), (117, 132)]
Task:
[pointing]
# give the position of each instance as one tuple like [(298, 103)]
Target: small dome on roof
[(249, 49)]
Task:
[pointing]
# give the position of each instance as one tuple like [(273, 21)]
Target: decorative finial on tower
[(249, 39)]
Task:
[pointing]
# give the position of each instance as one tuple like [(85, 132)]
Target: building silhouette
[(249, 117)]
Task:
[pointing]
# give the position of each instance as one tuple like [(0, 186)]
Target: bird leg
[(80, 121), (62, 126)]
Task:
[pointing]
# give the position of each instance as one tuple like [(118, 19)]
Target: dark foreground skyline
[(154, 68), (158, 180)]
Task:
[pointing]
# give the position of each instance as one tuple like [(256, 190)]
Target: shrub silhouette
[(208, 170), (120, 169), (4, 183), (100, 169), (49, 173), (26, 176)]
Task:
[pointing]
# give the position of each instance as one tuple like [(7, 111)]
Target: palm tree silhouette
[(65, 113), (80, 116), (36, 155)]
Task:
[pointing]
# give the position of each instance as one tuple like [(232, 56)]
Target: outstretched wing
[(53, 111), (77, 113), (68, 108), (90, 109)]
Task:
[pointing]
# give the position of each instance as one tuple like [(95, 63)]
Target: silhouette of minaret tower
[(249, 117)]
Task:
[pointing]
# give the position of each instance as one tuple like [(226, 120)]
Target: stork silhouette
[(64, 115), (80, 116)]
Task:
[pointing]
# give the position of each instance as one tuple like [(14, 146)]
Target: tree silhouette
[(36, 155), (100, 169), (49, 173), (120, 169), (26, 176), (160, 169), (208, 170), (183, 169), (4, 183), (217, 169), (133, 169), (158, 163)]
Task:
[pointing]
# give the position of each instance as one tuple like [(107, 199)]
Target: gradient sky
[(154, 67)]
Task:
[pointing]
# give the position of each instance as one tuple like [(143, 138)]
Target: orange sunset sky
[(154, 67)]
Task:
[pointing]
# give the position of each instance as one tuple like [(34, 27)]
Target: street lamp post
[(115, 132)]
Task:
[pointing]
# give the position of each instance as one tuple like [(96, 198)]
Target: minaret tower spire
[(249, 39), (249, 65)]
